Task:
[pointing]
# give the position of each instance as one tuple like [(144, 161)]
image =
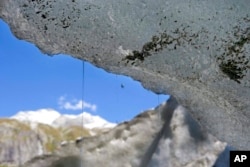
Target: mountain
[(164, 136), (34, 133), (54, 118), (89, 121), (20, 141), (45, 116)]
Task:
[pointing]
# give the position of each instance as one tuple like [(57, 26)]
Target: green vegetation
[(50, 131), (14, 123), (3, 165), (51, 137), (15, 129), (51, 145), (73, 132)]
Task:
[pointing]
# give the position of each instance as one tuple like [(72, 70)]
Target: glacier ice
[(197, 51)]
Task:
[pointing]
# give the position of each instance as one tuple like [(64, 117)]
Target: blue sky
[(30, 80)]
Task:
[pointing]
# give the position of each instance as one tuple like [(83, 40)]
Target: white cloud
[(75, 104)]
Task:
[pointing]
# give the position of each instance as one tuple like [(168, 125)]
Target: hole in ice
[(33, 81)]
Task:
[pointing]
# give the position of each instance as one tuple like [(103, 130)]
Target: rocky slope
[(164, 136), (197, 51), (17, 139), (21, 141)]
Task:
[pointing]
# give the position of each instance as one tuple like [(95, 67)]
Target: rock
[(22, 141), (18, 142), (223, 159), (165, 136), (69, 161), (196, 51)]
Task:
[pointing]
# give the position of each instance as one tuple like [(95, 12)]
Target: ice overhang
[(197, 51)]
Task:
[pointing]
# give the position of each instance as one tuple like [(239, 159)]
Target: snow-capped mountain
[(89, 121), (54, 118), (45, 116)]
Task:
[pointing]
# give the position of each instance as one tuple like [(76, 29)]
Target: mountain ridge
[(164, 135), (54, 118), (22, 140)]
